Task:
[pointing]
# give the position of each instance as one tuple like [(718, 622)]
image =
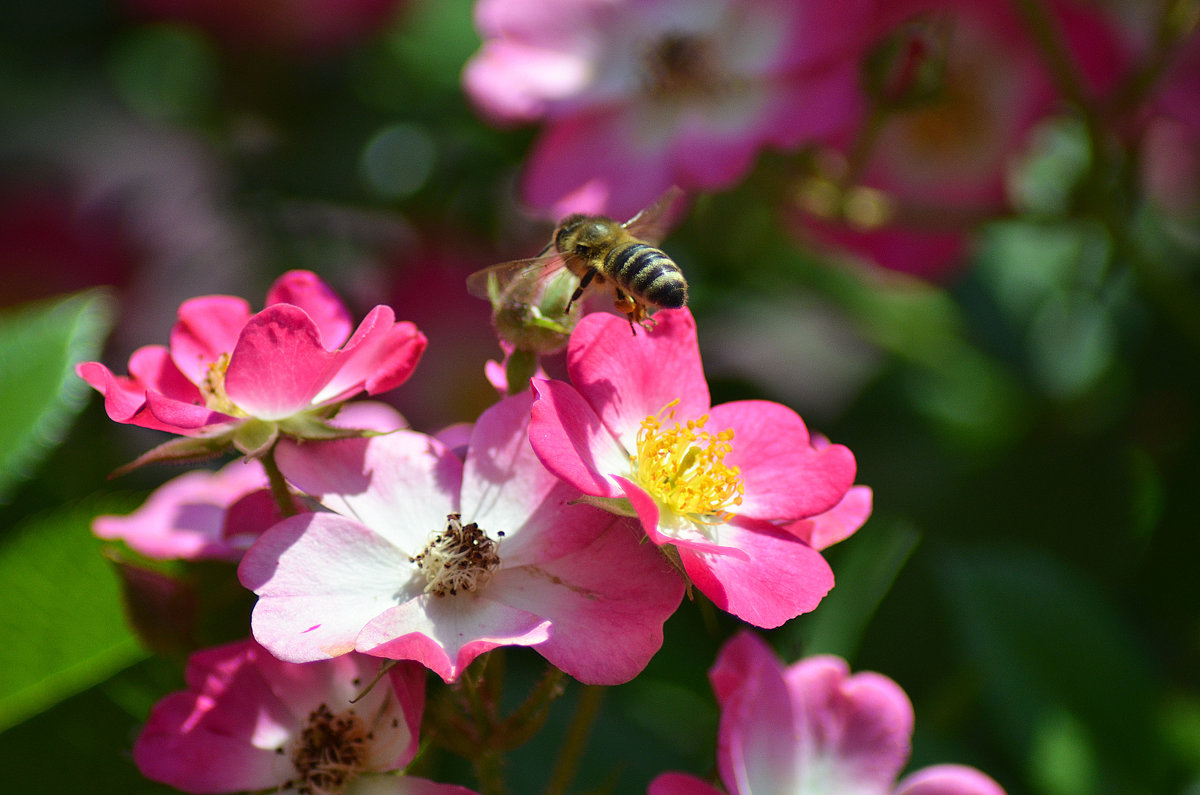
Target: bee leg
[(631, 309), (583, 284)]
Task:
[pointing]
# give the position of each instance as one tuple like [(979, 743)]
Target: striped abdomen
[(647, 274)]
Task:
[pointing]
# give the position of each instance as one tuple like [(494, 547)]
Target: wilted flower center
[(683, 467), (331, 752), (212, 387), (459, 558), (681, 64)]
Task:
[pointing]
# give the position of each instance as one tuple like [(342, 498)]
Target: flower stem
[(575, 740), (279, 486)]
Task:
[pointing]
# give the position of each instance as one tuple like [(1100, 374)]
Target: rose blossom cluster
[(905, 118), (571, 518)]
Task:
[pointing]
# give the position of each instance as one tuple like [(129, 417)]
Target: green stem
[(1055, 53), (575, 740), (279, 486)]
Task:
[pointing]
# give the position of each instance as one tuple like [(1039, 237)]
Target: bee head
[(580, 234)]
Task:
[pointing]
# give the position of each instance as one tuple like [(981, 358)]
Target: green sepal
[(312, 427), (621, 506), (255, 437), (184, 450)]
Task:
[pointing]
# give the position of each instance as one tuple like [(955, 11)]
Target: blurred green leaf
[(865, 566), (39, 391), (61, 610), (165, 72), (1058, 666)]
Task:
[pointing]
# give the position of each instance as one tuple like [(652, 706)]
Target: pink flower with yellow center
[(248, 721), (813, 728), (639, 95), (254, 376), (425, 556), (715, 485)]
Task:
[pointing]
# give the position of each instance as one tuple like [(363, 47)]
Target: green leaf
[(39, 391), (60, 611), (1064, 676)]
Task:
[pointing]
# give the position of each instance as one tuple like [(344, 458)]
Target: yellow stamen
[(683, 467), (212, 387)]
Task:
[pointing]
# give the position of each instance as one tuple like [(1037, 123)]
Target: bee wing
[(521, 280), (653, 222)]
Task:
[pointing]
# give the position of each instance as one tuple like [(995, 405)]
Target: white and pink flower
[(812, 728), (254, 376), (426, 557), (639, 95), (248, 721), (635, 432)]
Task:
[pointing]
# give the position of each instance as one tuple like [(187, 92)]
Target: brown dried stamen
[(331, 752), (460, 558)]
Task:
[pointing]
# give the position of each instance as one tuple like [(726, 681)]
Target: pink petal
[(153, 366), (211, 738), (179, 416), (446, 633), (838, 523), (320, 579), (784, 476), (183, 518), (855, 730), (664, 528), (397, 358), (596, 149), (207, 327), (948, 780), (627, 378), (680, 784), (369, 415), (606, 602), (124, 398), (782, 577), (278, 365), (570, 440), (758, 748), (306, 290), (401, 485), (405, 785)]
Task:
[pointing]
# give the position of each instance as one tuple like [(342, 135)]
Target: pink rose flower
[(426, 557), (250, 722), (634, 430), (813, 729), (939, 164), (282, 367), (638, 95)]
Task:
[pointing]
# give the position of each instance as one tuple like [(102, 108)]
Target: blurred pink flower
[(639, 95), (632, 431), (428, 558), (938, 163), (250, 722), (813, 729), (281, 366), (1170, 145), (302, 28)]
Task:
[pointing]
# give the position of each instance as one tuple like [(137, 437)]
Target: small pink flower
[(250, 722), (939, 162), (188, 517), (283, 366), (814, 729), (635, 432), (204, 515), (430, 558), (638, 95)]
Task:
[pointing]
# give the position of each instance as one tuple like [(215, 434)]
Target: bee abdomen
[(649, 274)]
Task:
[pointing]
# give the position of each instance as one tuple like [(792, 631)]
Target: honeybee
[(591, 251)]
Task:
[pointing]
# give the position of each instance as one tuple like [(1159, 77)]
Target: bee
[(595, 251)]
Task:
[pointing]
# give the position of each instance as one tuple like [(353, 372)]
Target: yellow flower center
[(683, 467), (212, 387)]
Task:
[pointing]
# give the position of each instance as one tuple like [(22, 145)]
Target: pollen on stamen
[(460, 558), (331, 752), (212, 387), (683, 467)]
